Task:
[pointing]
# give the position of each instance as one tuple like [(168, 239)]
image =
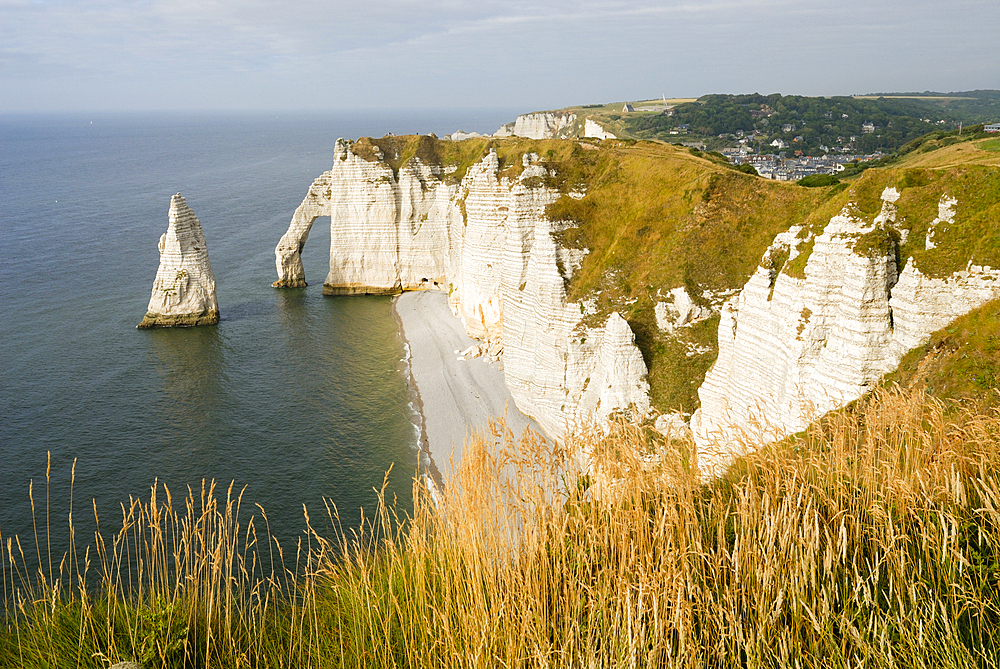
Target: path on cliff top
[(459, 396)]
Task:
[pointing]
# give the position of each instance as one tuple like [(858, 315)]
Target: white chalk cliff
[(184, 289), (540, 125), (595, 130), (549, 125), (485, 240), (791, 349)]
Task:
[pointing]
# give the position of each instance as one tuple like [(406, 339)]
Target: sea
[(297, 401)]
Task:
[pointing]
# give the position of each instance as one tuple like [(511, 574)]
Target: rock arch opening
[(288, 252), (315, 254)]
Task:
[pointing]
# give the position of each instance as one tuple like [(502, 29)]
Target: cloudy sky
[(115, 55)]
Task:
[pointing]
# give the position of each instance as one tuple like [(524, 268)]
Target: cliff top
[(657, 216)]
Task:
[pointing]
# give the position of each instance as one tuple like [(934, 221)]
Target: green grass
[(676, 368), (818, 180), (959, 362), (974, 237), (991, 145), (656, 217), (796, 267)]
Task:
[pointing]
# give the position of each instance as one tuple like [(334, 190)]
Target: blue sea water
[(294, 396)]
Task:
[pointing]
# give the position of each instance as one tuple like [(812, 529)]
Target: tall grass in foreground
[(870, 541)]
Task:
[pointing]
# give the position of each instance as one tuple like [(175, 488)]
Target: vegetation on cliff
[(657, 217), (963, 170)]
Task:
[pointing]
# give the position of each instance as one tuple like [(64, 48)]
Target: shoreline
[(454, 396), (424, 461)]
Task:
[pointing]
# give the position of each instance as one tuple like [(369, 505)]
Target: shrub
[(816, 180)]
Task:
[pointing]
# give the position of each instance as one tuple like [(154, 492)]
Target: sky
[(327, 55)]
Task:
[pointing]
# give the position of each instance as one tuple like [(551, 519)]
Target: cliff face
[(541, 125), (595, 130), (548, 125), (791, 349), (389, 232), (486, 240), (184, 289), (672, 238)]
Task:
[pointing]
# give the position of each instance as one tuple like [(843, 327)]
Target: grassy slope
[(962, 169), (960, 362), (657, 217)]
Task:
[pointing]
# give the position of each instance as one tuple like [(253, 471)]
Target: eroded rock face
[(184, 289), (540, 125), (791, 349), (460, 135), (678, 311), (388, 233), (488, 243), (595, 130), (618, 379)]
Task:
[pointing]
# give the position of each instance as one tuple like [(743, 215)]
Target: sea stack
[(184, 290)]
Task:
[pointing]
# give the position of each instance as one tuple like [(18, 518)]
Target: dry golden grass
[(872, 540), (862, 545), (954, 155)]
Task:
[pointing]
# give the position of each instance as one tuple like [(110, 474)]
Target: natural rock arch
[(288, 252)]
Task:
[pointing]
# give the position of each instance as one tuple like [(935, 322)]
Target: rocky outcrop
[(460, 135), (184, 289), (487, 242), (549, 125), (540, 125), (791, 349), (389, 232), (617, 359), (595, 130), (920, 304), (679, 310)]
